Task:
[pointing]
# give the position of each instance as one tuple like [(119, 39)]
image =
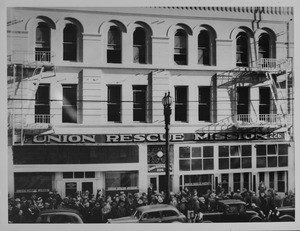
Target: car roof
[(59, 211), (231, 201), (156, 207)]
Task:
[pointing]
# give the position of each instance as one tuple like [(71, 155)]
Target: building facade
[(85, 87)]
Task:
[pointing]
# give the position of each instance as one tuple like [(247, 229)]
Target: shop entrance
[(160, 183), (87, 186)]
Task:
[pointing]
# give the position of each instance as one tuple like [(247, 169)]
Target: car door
[(169, 216), (150, 217)]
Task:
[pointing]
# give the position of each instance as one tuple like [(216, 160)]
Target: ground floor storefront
[(129, 163)]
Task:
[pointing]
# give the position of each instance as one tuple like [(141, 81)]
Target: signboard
[(151, 138)]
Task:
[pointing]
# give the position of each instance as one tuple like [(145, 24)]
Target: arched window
[(242, 50), (70, 43), (203, 48), (264, 46), (42, 42), (114, 45), (139, 46), (180, 45)]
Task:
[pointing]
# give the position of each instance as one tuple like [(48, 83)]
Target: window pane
[(208, 151), (67, 174), (234, 151), (196, 164), (282, 161), (89, 174), (121, 179), (184, 152), (223, 151), (272, 161), (246, 150), (261, 150), (79, 174), (246, 163), (235, 163), (204, 103), (283, 149), (181, 104), (184, 165), (272, 149), (196, 151), (223, 163), (261, 162), (208, 164)]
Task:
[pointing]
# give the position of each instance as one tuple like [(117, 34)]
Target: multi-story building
[(85, 87)]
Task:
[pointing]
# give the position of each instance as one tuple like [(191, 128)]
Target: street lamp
[(167, 102)]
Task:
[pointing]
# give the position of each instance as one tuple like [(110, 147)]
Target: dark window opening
[(242, 100), (70, 43), (42, 42), (242, 50), (139, 103), (204, 108), (204, 48), (69, 108), (114, 103), (181, 104), (264, 46), (180, 48), (264, 100), (114, 45), (139, 46), (42, 104)]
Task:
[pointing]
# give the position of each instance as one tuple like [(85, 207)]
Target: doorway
[(87, 186)]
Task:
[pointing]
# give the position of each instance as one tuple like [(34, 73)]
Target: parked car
[(59, 216), (280, 214), (160, 213), (231, 210)]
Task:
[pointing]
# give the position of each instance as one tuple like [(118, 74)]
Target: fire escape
[(25, 70), (277, 75)]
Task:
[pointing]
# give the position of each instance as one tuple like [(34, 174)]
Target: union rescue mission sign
[(139, 138)]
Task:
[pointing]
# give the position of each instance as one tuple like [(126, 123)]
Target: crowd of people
[(99, 208)]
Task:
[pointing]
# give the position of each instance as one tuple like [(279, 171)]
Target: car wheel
[(286, 218), (256, 219)]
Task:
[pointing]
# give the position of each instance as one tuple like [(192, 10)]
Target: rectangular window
[(264, 100), (69, 108), (181, 104), (42, 104), (272, 155), (204, 109), (139, 103), (121, 180), (195, 159), (242, 100), (240, 157), (114, 103), (281, 181)]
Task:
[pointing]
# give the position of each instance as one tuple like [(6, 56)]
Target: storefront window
[(79, 154), (123, 180), (199, 182), (240, 157), (196, 158), (273, 155)]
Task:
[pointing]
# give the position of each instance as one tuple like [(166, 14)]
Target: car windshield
[(137, 214)]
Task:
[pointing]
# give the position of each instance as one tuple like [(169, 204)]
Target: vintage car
[(231, 210), (59, 216), (160, 213)]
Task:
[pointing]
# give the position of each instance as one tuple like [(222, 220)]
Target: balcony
[(31, 123), (263, 120), (32, 57), (275, 65)]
